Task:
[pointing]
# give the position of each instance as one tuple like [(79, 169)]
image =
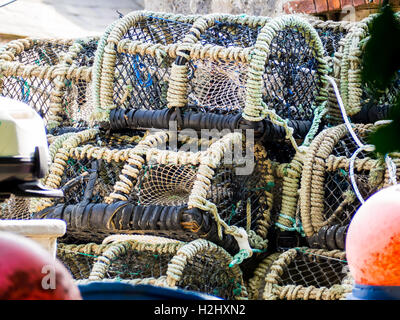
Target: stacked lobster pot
[(301, 273), (205, 152), (337, 176), (134, 185), (36, 71), (199, 265), (349, 170), (51, 75), (328, 183)]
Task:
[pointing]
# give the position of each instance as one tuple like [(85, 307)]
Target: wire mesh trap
[(203, 183), (328, 198), (76, 89), (28, 68), (132, 65), (239, 72), (216, 64), (182, 195), (197, 266), (307, 274), (354, 93), (85, 165)]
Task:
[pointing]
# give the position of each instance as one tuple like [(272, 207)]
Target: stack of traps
[(101, 99), (194, 70), (199, 265), (53, 76), (302, 274), (335, 179), (120, 184)]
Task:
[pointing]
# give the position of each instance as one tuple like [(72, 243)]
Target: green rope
[(267, 187), (239, 257), (319, 112), (233, 213), (297, 226)]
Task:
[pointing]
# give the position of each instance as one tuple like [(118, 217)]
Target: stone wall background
[(78, 18), (250, 7)]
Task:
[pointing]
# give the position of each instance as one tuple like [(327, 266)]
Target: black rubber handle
[(124, 216), (329, 237), (371, 113), (121, 119)]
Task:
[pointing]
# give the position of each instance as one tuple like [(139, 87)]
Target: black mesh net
[(340, 202), (312, 269), (227, 34), (31, 90), (141, 80), (44, 53), (89, 179), (330, 38), (241, 199), (139, 265), (291, 78), (204, 273), (77, 182)]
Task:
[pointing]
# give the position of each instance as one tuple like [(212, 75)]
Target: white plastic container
[(43, 231), (21, 129)]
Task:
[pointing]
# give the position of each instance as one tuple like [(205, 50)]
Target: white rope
[(361, 146), (391, 168), (351, 171), (344, 114)]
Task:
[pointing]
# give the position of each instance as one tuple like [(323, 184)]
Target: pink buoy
[(29, 272), (373, 240)]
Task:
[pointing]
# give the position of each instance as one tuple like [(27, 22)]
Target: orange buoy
[(373, 240), (29, 272)]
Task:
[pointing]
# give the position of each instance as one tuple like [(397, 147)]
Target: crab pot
[(354, 93), (77, 98), (239, 198), (238, 70), (327, 197), (85, 165), (134, 58), (29, 69), (182, 195), (199, 266), (333, 35), (215, 63), (308, 274)]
